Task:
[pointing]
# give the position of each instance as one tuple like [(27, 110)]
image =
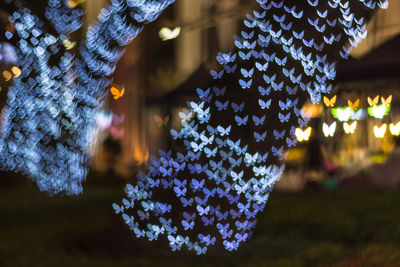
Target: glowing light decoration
[(374, 101), (104, 120), (387, 101), (210, 191), (354, 105), (395, 128), (310, 111), (379, 132), (168, 34), (350, 128), (329, 130), (74, 3), (330, 102), (16, 71), (379, 111), (343, 114), (117, 93), (357, 115), (303, 136), (7, 75), (50, 118)]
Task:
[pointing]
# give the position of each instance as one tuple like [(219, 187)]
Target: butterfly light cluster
[(228, 153), (49, 122)]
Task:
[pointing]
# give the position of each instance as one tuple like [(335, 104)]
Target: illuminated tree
[(49, 120), (233, 141)]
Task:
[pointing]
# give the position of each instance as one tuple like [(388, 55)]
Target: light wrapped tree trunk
[(49, 121)]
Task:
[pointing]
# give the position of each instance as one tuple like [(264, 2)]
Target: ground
[(344, 227)]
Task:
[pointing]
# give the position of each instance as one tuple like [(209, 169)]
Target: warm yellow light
[(160, 121), (117, 93), (312, 110), (350, 128), (74, 3), (68, 44), (330, 102), (395, 129), (353, 106), (7, 75), (141, 155), (16, 71), (373, 102), (168, 34), (387, 101), (379, 132), (303, 136)]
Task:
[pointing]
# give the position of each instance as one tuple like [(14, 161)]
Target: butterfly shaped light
[(350, 128), (303, 136), (330, 103), (379, 132), (387, 101), (374, 101), (329, 130), (357, 115), (379, 111), (69, 44), (16, 71), (166, 33), (354, 105), (395, 128), (117, 93), (343, 114)]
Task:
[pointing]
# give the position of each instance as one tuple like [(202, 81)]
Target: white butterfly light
[(379, 132), (166, 34), (329, 130)]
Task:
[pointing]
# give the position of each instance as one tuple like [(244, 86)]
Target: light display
[(329, 130), (49, 122), (350, 128), (210, 192), (354, 105), (117, 93), (379, 111), (374, 101), (379, 132), (395, 128), (303, 136), (330, 102), (168, 34), (343, 114)]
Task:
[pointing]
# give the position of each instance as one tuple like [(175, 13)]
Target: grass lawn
[(319, 228)]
